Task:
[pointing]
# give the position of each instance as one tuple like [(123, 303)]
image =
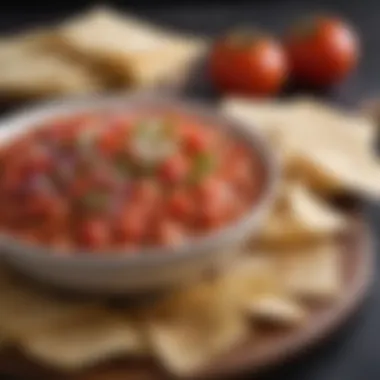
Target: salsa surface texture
[(124, 180)]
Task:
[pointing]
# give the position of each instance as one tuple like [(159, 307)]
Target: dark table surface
[(353, 353)]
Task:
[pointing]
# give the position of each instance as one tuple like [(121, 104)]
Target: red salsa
[(124, 180)]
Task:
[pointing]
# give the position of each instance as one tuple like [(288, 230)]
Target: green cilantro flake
[(95, 201), (203, 165)]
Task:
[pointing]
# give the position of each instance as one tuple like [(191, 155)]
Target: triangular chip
[(331, 149), (277, 310), (360, 126), (300, 216), (249, 277), (138, 53), (266, 116), (193, 327), (262, 114), (331, 172), (306, 113), (254, 285), (29, 69), (86, 341), (312, 273), (25, 310)]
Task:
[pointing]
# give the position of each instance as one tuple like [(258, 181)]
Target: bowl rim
[(22, 121)]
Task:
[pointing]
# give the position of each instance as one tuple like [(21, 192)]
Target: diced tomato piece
[(38, 160), (239, 172), (169, 233), (215, 201), (79, 187), (146, 192), (175, 169), (181, 205), (120, 123), (94, 233), (12, 180), (104, 178), (132, 225), (205, 190), (196, 141), (41, 204), (112, 141)]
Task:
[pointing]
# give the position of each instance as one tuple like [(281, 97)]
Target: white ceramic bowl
[(156, 268)]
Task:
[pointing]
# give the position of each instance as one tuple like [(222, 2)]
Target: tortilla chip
[(193, 327), (331, 172), (312, 273), (138, 53), (263, 114), (331, 149), (300, 216), (249, 277), (29, 69), (86, 341), (270, 116), (267, 117), (254, 286), (359, 125), (277, 310), (31, 40), (25, 310)]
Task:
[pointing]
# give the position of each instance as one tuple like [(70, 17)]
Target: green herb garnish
[(95, 201), (155, 129), (123, 165), (86, 140), (203, 165)]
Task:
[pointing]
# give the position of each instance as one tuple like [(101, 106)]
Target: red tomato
[(169, 233), (38, 160), (132, 225), (41, 205), (109, 143), (94, 233), (181, 205), (65, 130), (175, 169), (206, 189), (79, 187), (146, 192), (114, 138), (215, 200), (196, 141), (323, 52), (247, 64)]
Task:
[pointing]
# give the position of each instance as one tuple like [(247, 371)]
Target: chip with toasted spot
[(262, 114), (138, 53), (331, 149), (30, 69), (300, 112), (86, 341), (300, 216), (266, 116), (332, 173), (359, 125), (193, 327), (334, 153), (312, 272), (25, 310), (254, 285), (277, 310), (249, 277)]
